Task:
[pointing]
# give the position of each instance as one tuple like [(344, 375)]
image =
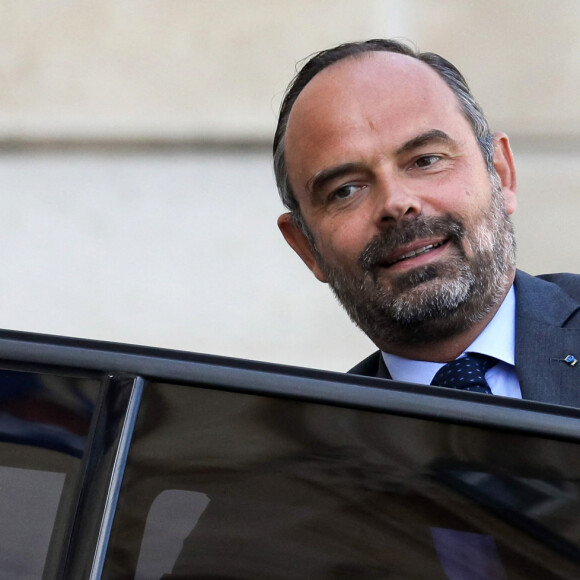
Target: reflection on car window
[(171, 518), (27, 519), (44, 426), (302, 490)]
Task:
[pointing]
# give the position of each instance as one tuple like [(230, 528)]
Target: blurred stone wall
[(137, 198)]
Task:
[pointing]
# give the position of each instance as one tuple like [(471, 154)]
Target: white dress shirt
[(498, 339)]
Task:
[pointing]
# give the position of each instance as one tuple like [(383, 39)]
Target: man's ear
[(503, 161), (299, 243)]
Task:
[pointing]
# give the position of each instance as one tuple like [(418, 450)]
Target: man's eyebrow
[(317, 183), (433, 136)]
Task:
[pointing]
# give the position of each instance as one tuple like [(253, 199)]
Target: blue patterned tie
[(466, 373)]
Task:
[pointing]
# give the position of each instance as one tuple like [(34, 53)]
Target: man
[(399, 199)]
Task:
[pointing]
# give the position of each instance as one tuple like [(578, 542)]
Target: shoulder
[(552, 300), (569, 283), (536, 291)]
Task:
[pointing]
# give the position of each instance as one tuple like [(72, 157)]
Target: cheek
[(478, 239), (480, 234), (469, 204), (342, 246), (466, 202)]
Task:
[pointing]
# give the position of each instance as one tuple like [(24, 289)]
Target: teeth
[(418, 252)]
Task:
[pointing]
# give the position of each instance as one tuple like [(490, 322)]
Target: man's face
[(407, 226)]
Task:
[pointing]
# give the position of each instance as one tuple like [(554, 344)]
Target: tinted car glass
[(45, 425), (235, 485)]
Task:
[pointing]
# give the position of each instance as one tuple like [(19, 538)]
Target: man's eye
[(345, 191), (427, 161)]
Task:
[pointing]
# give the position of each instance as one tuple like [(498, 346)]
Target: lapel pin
[(571, 360)]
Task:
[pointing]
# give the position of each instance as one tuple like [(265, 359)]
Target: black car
[(119, 461)]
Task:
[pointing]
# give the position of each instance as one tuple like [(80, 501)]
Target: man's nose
[(395, 198)]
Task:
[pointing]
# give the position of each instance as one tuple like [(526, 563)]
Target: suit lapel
[(372, 366), (545, 334), (383, 371)]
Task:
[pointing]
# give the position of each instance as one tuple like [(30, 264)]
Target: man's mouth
[(409, 244), (414, 253)]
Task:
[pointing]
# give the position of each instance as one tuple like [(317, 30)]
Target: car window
[(45, 421), (246, 486)]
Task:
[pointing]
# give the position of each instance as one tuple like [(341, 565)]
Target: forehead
[(375, 96)]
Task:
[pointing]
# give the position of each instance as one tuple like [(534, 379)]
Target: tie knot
[(466, 373)]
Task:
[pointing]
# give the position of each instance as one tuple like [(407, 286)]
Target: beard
[(437, 300)]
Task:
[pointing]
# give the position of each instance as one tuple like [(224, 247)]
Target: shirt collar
[(497, 339)]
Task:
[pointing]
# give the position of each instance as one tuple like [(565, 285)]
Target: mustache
[(405, 232)]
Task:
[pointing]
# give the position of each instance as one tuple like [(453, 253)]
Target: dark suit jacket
[(547, 330)]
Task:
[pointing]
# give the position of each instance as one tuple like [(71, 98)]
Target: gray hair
[(321, 60)]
